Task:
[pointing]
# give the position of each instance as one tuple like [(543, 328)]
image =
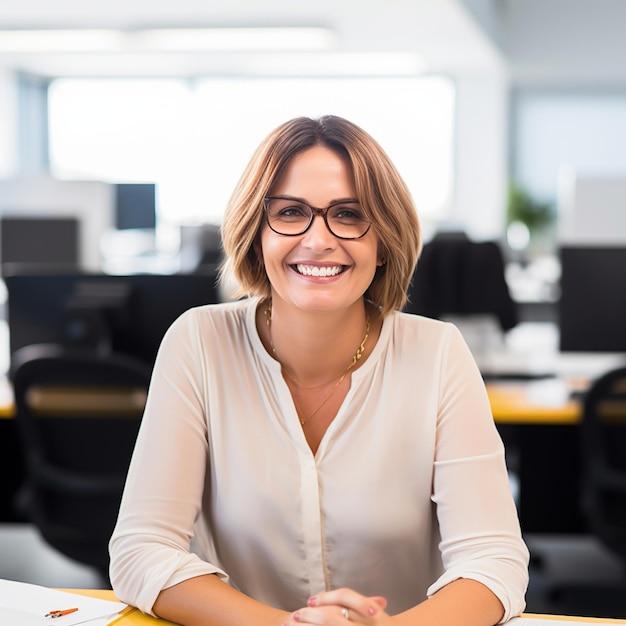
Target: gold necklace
[(355, 359)]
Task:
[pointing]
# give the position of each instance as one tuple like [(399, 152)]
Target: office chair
[(78, 413), (603, 447), (456, 276), (602, 439)]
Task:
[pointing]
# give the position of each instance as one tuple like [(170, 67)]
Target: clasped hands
[(340, 606)]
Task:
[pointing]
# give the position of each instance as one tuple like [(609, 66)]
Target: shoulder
[(223, 314), (425, 330), (424, 341), (213, 323)]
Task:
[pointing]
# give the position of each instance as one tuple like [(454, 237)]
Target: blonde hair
[(381, 191)]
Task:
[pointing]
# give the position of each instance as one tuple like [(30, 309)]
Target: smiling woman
[(340, 261), (297, 436)]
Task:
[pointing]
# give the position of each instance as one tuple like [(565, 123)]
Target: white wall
[(8, 124), (559, 42), (481, 170), (592, 210)]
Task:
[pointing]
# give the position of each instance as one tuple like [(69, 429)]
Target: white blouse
[(407, 492)]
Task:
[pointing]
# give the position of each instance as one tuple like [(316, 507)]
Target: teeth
[(309, 270)]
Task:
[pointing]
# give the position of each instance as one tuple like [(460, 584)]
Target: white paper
[(546, 621), (23, 604)]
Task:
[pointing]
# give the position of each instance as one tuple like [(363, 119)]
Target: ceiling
[(401, 37)]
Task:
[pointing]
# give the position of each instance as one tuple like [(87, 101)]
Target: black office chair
[(461, 277), (603, 446), (602, 437), (78, 413)]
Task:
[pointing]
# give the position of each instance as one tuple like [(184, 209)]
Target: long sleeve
[(481, 538), (151, 545)]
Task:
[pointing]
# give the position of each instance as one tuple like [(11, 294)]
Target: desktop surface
[(134, 617)]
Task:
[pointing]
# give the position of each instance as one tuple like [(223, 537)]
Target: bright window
[(194, 138)]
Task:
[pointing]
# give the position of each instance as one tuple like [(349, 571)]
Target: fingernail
[(371, 610), (312, 601), (296, 616)]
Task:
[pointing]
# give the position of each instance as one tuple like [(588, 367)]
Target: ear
[(382, 259)]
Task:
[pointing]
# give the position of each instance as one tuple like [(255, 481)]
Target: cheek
[(273, 250), (373, 253)]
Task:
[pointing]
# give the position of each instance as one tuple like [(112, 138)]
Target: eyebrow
[(297, 199)]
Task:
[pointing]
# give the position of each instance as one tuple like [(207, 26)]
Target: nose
[(318, 235)]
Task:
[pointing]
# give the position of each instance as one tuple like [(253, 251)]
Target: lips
[(316, 270)]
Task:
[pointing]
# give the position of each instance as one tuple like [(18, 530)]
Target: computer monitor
[(43, 243), (592, 307), (127, 314), (135, 206), (89, 202)]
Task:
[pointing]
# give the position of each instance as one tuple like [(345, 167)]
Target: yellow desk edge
[(512, 404), (509, 405), (134, 617)]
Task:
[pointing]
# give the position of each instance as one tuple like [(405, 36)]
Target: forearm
[(463, 602), (208, 601)]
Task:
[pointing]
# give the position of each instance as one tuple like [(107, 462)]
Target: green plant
[(522, 207)]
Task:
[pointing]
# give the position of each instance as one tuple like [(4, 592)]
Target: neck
[(314, 348)]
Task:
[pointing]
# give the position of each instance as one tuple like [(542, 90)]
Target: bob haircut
[(381, 191)]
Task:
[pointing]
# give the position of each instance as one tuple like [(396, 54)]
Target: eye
[(293, 210), (347, 213), (287, 210)]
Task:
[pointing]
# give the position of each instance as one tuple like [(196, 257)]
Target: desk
[(537, 402), (130, 617), (535, 419), (7, 408), (539, 420), (135, 618)]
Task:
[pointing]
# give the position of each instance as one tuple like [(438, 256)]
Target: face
[(316, 271)]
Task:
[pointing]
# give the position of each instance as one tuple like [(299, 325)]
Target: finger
[(319, 615), (364, 605), (382, 602)]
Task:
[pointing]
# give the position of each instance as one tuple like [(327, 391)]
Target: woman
[(309, 454)]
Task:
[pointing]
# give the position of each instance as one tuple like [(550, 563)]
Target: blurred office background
[(473, 99), (507, 118)]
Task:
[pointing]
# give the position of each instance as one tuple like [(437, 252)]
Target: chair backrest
[(603, 446), (457, 276), (78, 415)]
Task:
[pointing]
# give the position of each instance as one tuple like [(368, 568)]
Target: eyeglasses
[(291, 217)]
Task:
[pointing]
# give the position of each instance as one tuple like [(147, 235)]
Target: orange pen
[(60, 613)]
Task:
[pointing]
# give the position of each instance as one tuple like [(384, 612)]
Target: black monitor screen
[(592, 308), (135, 205), (127, 314), (32, 241)]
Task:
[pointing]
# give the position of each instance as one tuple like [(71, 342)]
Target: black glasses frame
[(315, 211)]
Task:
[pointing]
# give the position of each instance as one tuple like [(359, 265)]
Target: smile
[(314, 270)]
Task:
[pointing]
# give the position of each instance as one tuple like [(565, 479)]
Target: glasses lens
[(290, 217), (347, 220)]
